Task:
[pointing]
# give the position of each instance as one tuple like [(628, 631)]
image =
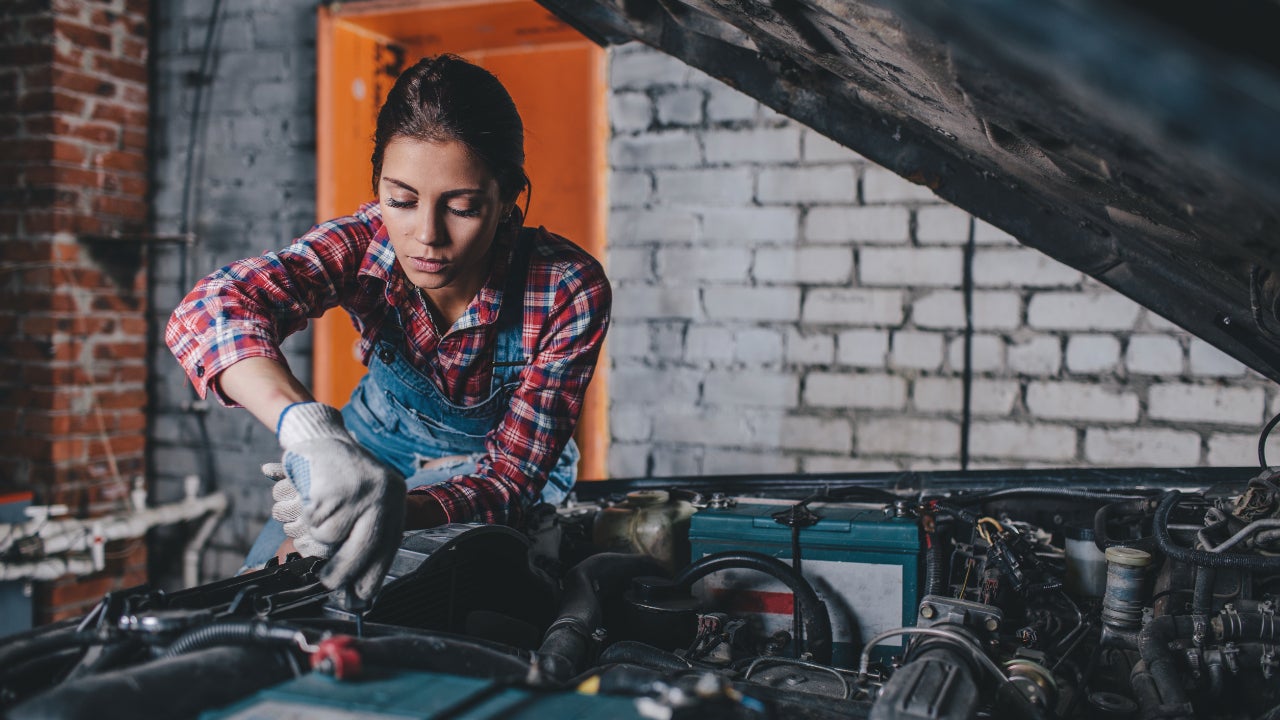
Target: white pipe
[(195, 546), (65, 535)]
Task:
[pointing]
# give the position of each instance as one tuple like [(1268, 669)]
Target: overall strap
[(508, 347)]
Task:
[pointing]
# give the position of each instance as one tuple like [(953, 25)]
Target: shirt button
[(199, 371), (386, 355)]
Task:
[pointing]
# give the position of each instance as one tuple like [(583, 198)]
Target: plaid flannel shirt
[(248, 307)]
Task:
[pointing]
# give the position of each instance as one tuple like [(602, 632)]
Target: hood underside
[(1135, 141)]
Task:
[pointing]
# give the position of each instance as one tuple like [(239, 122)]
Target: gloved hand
[(288, 510), (349, 499)]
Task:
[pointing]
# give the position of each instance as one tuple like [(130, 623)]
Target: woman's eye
[(392, 202), (464, 212)]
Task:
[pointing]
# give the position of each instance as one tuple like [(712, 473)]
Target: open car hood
[(1135, 141)]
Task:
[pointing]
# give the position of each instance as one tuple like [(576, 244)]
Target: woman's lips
[(428, 265)]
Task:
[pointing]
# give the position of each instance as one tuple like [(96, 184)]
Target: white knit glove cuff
[(310, 421)]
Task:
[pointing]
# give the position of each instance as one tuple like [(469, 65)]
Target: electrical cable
[(1160, 529), (1262, 440)]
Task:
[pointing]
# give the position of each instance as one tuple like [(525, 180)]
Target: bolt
[(927, 612), (992, 624)]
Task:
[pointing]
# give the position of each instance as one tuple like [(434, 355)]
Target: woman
[(480, 336)]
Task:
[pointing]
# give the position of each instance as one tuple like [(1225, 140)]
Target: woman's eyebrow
[(462, 191), (400, 183)]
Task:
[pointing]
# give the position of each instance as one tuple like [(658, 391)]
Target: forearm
[(264, 387)]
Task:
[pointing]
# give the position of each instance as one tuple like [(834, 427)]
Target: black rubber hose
[(1102, 521), (817, 622), (1202, 596), (1153, 646), (1252, 627), (19, 651), (234, 632), (1160, 529), (566, 648), (1054, 492), (444, 654), (645, 655)]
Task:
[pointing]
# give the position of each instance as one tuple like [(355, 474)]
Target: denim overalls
[(401, 417)]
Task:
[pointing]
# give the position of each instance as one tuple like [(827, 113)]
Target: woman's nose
[(429, 230)]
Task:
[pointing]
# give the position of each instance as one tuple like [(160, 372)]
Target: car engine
[(894, 600)]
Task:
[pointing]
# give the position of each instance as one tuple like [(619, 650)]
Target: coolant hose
[(632, 652), (1161, 669), (1102, 520), (813, 612), (568, 644), (444, 654), (37, 644), (1164, 541), (233, 632)]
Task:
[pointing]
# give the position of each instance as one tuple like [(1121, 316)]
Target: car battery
[(864, 563)]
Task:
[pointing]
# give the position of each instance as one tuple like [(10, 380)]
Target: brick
[(628, 189), (942, 226), (725, 104), (882, 186), (646, 302), (806, 185), (709, 343), (1209, 361), (863, 348), (909, 266), (751, 388), (1234, 450), (1154, 355), (1206, 404), (752, 303), (1142, 446), (730, 186), (716, 461), (631, 264), (987, 397), (1081, 311), (885, 225), (819, 148), (840, 390), (652, 225), (834, 464), (1022, 441), (669, 149), (1021, 267), (668, 340), (708, 264), (682, 106), (810, 348), (641, 68), (1040, 355), (804, 433), (749, 224), (916, 350), (759, 145), (1149, 320), (945, 310), (710, 427), (803, 266), (757, 346), (630, 111), (1092, 353), (902, 436), (853, 307), (675, 461), (987, 234), (1080, 401)]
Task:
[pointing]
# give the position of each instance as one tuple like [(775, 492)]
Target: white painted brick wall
[(775, 304), (1234, 450), (853, 307), (1207, 403), (803, 266), (1142, 446), (1092, 353), (781, 304), (858, 224), (909, 266), (1080, 401), (841, 390)]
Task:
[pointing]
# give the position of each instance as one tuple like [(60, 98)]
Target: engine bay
[(1143, 596)]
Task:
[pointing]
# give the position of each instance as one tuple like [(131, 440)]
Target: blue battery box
[(866, 565)]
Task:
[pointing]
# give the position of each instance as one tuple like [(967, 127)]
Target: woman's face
[(442, 208)]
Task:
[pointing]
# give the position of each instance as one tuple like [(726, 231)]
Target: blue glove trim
[(285, 411)]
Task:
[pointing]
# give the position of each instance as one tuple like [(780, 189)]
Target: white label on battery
[(863, 598)]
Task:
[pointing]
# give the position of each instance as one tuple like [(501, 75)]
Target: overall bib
[(399, 415)]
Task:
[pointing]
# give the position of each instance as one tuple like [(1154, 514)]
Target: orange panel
[(556, 78)]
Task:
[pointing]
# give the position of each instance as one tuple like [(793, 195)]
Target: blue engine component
[(864, 563)]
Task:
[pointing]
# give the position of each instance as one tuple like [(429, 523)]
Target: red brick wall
[(73, 141)]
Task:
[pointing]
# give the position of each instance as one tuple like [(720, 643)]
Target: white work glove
[(288, 510), (350, 500)]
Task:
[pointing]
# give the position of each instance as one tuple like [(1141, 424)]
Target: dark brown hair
[(446, 98)]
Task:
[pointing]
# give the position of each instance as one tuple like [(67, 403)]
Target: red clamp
[(337, 656)]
